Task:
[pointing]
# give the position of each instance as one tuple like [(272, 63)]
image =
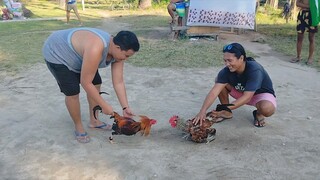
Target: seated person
[(6, 14), (15, 8), (172, 8)]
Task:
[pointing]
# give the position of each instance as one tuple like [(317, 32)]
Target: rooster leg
[(211, 135), (111, 140), (210, 138), (187, 136)]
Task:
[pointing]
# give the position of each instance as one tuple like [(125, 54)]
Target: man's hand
[(199, 118), (127, 112)]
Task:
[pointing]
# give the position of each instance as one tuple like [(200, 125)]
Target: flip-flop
[(82, 137), (295, 60), (220, 119), (257, 122), (103, 126)]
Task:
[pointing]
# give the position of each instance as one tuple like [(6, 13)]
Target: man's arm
[(92, 48), (211, 97), (245, 98), (118, 83)]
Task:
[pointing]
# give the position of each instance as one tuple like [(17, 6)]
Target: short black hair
[(127, 40), (235, 48)]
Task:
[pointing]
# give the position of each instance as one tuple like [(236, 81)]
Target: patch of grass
[(21, 42), (283, 38), (178, 54)]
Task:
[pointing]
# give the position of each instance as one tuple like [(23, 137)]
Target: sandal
[(220, 119), (103, 126), (82, 137), (295, 60), (226, 114), (258, 122)]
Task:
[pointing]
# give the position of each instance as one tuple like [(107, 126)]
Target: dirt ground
[(37, 139)]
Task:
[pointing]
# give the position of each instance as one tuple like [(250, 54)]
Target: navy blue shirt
[(254, 78)]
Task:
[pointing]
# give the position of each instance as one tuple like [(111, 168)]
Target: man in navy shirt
[(246, 81)]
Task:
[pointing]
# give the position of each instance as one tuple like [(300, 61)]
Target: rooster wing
[(126, 126)]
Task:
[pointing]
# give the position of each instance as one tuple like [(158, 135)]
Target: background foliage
[(21, 41)]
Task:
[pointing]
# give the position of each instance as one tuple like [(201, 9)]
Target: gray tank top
[(58, 49)]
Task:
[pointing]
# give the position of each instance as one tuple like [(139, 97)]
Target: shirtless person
[(172, 8), (304, 24)]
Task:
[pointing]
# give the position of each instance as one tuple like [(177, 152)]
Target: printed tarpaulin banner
[(222, 13)]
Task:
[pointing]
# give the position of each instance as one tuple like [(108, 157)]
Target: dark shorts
[(304, 22), (69, 81)]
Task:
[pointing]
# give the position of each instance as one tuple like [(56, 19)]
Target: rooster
[(196, 133), (128, 126), (200, 134)]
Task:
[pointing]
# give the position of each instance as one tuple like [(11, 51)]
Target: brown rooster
[(205, 132), (128, 126), (196, 133)]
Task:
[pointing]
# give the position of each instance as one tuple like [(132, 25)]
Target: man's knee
[(266, 108)]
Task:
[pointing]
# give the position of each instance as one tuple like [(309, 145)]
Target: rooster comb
[(173, 121)]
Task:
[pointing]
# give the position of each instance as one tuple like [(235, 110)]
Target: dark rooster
[(196, 133), (128, 126), (200, 134)]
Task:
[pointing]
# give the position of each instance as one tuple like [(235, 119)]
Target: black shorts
[(69, 81), (304, 22)]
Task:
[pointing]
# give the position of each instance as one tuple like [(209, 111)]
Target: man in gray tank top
[(74, 56)]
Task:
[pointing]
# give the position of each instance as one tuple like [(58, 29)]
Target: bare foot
[(309, 62)]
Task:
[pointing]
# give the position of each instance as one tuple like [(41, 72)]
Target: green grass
[(178, 54), (282, 36), (21, 42)]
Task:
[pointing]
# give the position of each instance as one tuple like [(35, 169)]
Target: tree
[(143, 4), (61, 3), (273, 3), (294, 9)]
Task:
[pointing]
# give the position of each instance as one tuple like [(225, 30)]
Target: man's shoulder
[(253, 66)]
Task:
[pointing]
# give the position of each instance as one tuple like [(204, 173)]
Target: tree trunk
[(143, 4), (61, 3), (273, 3), (294, 9)]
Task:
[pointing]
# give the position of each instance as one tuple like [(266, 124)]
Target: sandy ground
[(37, 139)]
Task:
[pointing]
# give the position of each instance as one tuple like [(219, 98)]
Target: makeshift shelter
[(209, 16)]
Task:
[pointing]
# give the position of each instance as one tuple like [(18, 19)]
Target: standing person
[(304, 24), (74, 55), (246, 81), (72, 5), (286, 11)]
